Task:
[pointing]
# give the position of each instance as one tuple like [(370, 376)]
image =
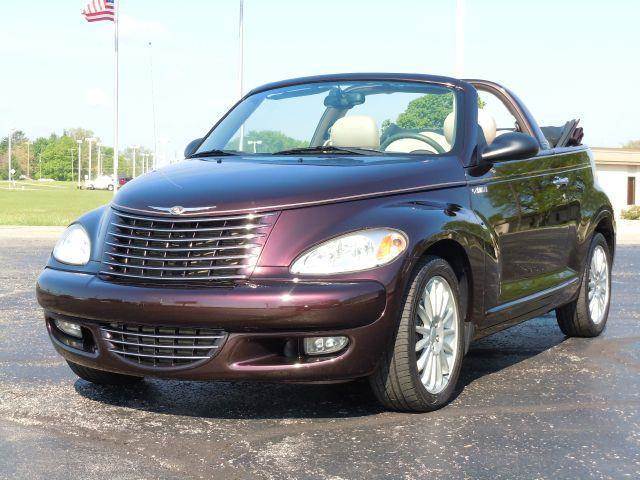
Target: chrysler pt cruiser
[(333, 228)]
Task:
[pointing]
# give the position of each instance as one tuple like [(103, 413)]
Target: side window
[(493, 106)]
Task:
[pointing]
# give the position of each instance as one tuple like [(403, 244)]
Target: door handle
[(560, 181)]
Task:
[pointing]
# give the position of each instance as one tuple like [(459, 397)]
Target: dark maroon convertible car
[(338, 227)]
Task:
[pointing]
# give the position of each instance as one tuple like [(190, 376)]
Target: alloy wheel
[(437, 334), (598, 288)]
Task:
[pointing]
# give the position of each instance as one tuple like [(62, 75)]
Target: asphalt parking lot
[(532, 404)]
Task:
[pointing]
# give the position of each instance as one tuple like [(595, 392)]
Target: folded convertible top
[(570, 135)]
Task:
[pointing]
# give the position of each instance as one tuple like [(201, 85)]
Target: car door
[(526, 207)]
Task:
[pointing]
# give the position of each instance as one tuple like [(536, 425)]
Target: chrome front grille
[(179, 250), (162, 346)]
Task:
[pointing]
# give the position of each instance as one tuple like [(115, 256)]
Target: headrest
[(488, 126), (485, 121), (450, 128), (355, 131)]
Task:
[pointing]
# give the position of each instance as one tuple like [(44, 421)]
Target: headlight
[(74, 246), (352, 252)]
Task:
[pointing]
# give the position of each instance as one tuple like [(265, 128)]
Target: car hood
[(243, 184)]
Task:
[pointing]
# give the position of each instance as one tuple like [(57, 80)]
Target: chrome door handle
[(560, 181)]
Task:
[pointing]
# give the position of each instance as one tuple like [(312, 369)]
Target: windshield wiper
[(213, 153), (329, 149)]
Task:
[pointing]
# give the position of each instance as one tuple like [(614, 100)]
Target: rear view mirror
[(191, 147), (343, 100), (511, 146)]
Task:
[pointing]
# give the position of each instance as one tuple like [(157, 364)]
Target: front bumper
[(263, 319)]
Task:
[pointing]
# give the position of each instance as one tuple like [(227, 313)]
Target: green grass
[(55, 203)]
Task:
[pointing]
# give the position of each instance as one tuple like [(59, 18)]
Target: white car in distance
[(101, 182)]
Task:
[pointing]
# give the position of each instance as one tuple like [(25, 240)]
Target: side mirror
[(511, 146), (191, 148)]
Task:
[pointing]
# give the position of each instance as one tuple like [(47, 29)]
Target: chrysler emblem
[(179, 210)]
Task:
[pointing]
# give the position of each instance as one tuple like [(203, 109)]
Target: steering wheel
[(423, 138)]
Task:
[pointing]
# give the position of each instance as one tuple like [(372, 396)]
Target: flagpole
[(241, 68), (459, 48), (153, 102), (116, 7)]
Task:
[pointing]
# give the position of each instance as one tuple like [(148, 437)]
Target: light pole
[(9, 153), (254, 143), (133, 172), (28, 157), (79, 162), (71, 152), (99, 145), (90, 141), (144, 163), (163, 159)]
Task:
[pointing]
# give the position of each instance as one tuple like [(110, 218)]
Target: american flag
[(99, 10)]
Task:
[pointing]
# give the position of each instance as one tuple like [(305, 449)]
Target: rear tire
[(101, 377), (577, 319), (420, 369)]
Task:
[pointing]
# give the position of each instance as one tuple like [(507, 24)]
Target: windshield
[(327, 118)]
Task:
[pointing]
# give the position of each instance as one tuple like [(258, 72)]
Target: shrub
[(631, 213)]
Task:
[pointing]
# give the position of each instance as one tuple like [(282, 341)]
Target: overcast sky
[(565, 59)]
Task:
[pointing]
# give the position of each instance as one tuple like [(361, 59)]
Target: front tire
[(101, 377), (420, 370), (587, 315)]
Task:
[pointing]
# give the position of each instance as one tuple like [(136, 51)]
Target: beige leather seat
[(449, 128), (362, 131), (408, 145), (488, 125), (485, 121), (355, 131)]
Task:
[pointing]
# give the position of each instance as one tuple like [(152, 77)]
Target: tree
[(57, 158), (272, 141), (632, 145), (384, 125), (77, 133), (428, 112), (18, 154)]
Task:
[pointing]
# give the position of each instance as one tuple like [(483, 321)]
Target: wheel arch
[(456, 256), (605, 224), (464, 252), (469, 285)]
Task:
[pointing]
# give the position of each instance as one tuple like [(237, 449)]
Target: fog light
[(69, 328), (324, 345)]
